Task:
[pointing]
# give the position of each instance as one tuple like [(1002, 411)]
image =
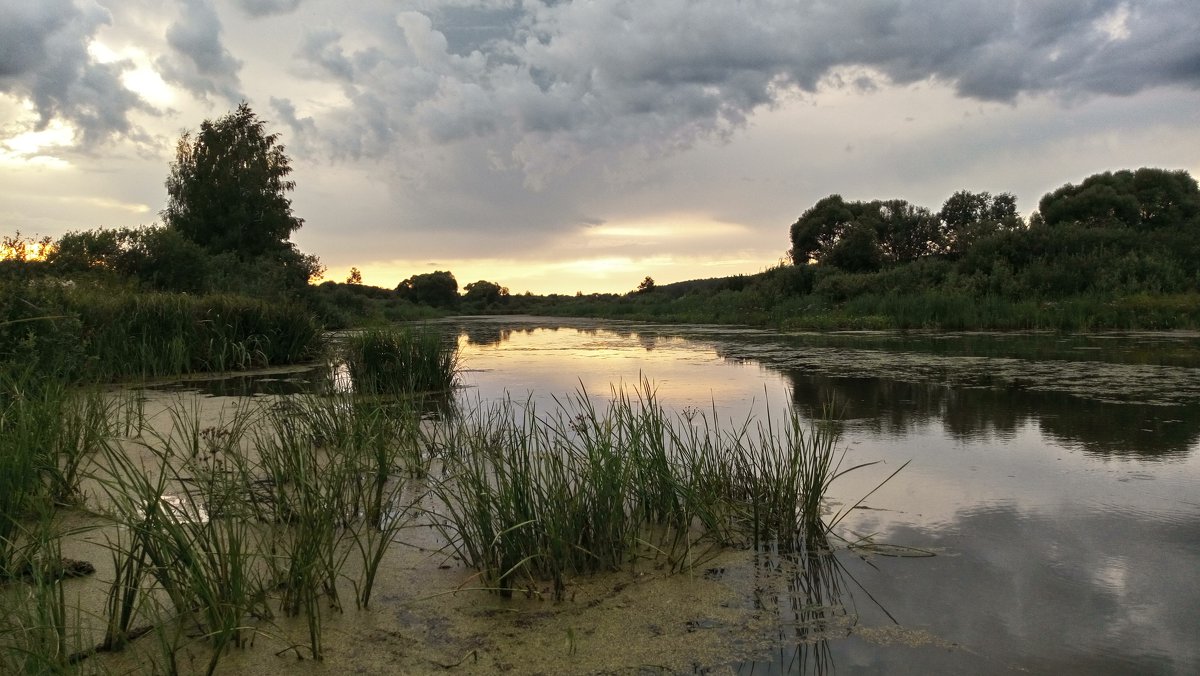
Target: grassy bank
[(93, 334)]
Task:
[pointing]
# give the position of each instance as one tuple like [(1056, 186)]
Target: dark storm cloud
[(44, 57), (199, 61), (268, 7), (552, 82)]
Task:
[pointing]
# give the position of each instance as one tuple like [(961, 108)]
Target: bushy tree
[(819, 228), (355, 277), (1146, 199), (437, 289), (156, 258), (646, 285), (966, 217), (485, 293), (228, 187), (898, 232)]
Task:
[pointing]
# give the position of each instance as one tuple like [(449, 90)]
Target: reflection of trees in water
[(486, 334), (648, 341), (493, 334), (892, 407)]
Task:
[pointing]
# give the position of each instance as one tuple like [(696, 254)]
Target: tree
[(819, 228), (898, 232), (646, 286), (857, 251), (1146, 199), (438, 289), (905, 231), (966, 217), (227, 188), (485, 293), (355, 277)]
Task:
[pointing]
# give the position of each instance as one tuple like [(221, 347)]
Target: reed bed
[(400, 360), (530, 498)]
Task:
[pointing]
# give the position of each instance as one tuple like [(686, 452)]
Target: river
[(1055, 479)]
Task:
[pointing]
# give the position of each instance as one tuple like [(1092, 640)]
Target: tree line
[(868, 236)]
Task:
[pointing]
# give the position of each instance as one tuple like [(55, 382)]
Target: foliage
[(80, 333), (985, 268), (530, 497), (646, 285), (437, 289), (355, 277), (227, 187), (861, 236), (485, 294), (1146, 199), (399, 361), (967, 217)]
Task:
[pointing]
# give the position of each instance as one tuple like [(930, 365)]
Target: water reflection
[(1121, 401), (808, 590), (1088, 592), (1055, 477), (897, 408)]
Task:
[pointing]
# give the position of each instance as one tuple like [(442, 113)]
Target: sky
[(557, 146)]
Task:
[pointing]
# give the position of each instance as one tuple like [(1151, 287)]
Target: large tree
[(438, 289), (863, 235), (1146, 199), (228, 187), (966, 217)]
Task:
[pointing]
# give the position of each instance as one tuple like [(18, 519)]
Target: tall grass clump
[(530, 498), (400, 360), (48, 435), (186, 533)]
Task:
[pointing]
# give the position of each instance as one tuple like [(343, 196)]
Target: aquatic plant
[(397, 360), (528, 498)]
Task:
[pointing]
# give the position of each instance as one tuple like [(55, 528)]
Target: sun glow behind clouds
[(140, 77), (665, 227), (33, 148)]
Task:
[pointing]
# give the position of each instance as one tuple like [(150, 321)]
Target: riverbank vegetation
[(1118, 251)]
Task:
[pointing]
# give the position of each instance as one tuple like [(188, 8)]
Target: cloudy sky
[(561, 145)]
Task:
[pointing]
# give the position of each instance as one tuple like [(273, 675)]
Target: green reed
[(528, 498), (400, 360)]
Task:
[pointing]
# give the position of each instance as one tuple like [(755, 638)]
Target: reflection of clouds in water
[(1052, 557), (1108, 592)]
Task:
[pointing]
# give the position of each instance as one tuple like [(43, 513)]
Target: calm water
[(1056, 479)]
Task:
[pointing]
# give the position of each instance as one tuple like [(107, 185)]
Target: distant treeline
[(1120, 250)]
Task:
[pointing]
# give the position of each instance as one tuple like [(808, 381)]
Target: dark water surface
[(1055, 478)]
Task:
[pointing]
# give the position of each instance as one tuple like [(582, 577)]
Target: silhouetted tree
[(899, 232), (646, 285), (227, 188), (485, 293), (355, 277), (438, 289), (966, 217)]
